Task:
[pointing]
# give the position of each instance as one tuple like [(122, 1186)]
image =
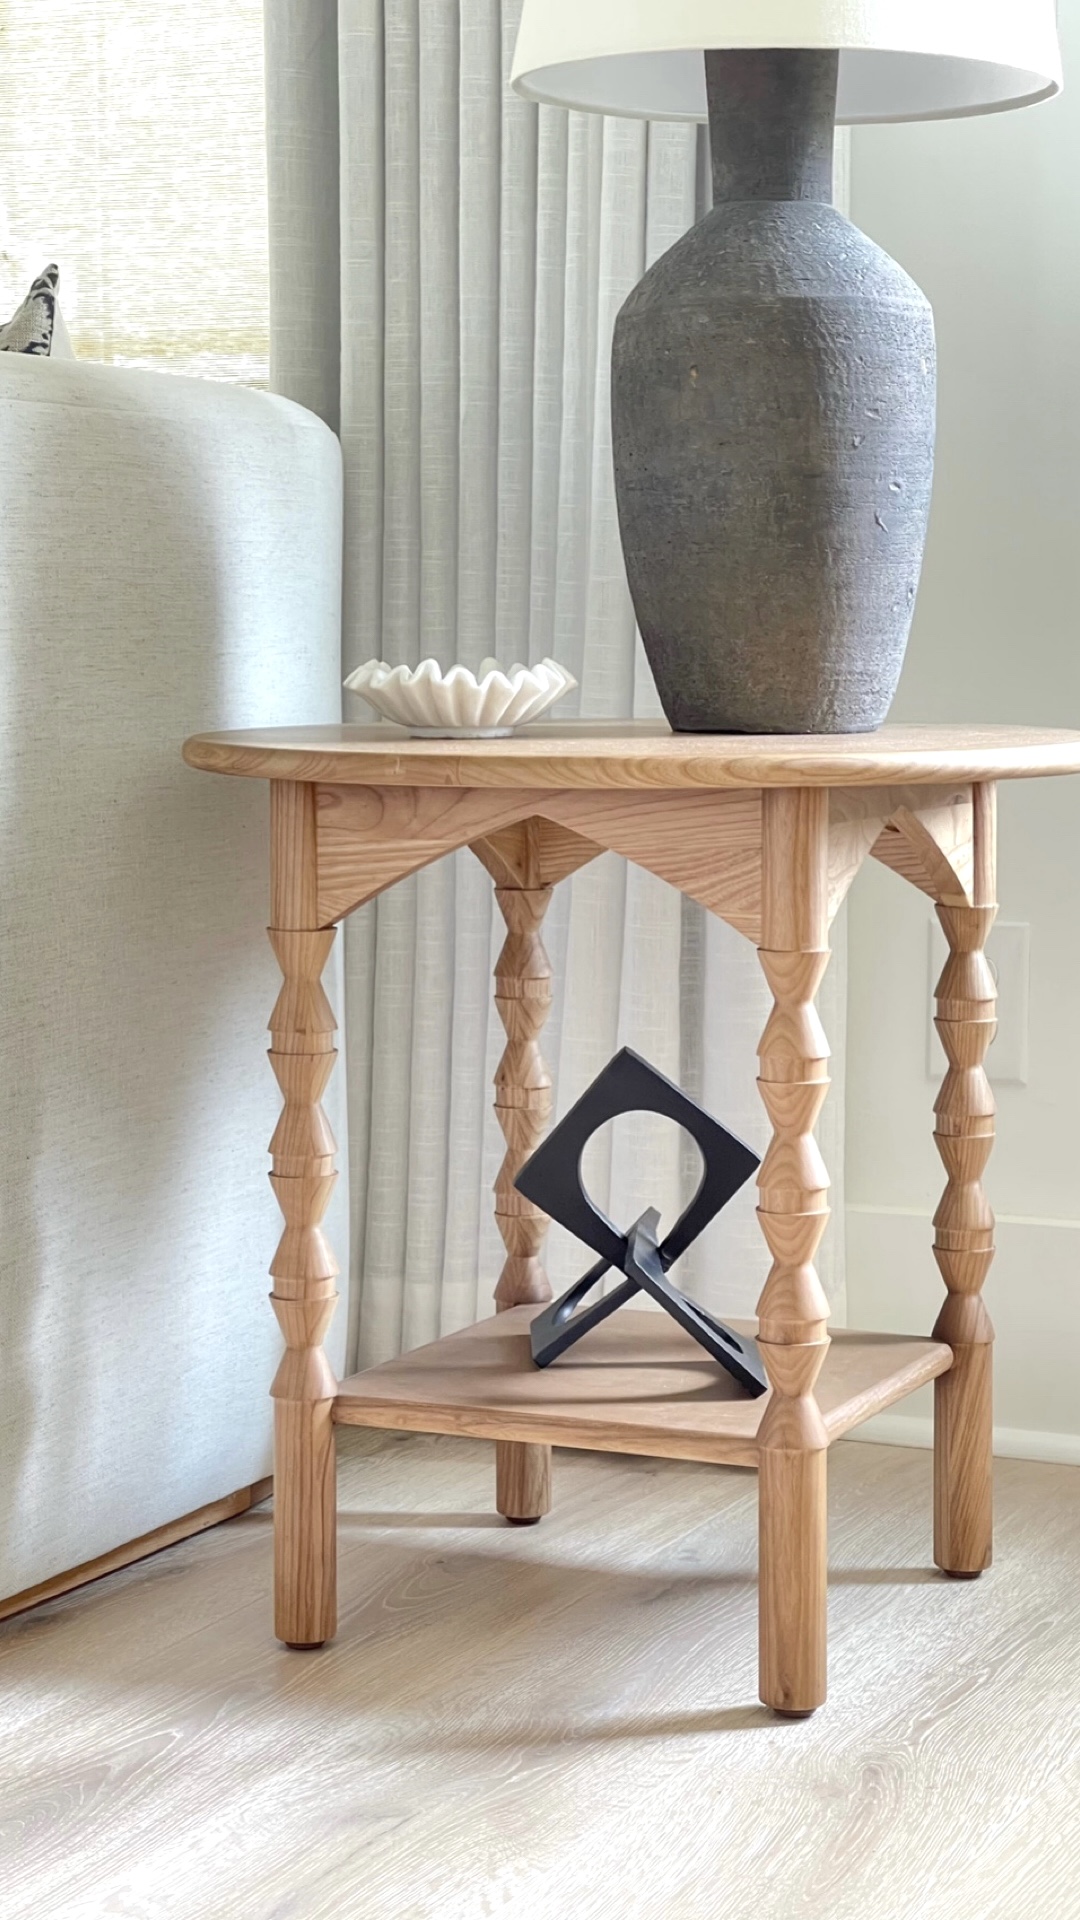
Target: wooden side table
[(767, 833)]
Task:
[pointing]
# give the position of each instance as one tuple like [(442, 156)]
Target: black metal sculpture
[(551, 1179)]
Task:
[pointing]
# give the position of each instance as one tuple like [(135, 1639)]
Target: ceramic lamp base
[(773, 402)]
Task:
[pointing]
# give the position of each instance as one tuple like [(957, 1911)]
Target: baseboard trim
[(211, 1515), (1010, 1443)]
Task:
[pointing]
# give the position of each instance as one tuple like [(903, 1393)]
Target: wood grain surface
[(707, 845), (533, 853), (523, 1101), (925, 834), (369, 838), (964, 1117), (304, 1269), (639, 754), (793, 1212), (555, 1722), (636, 1384)]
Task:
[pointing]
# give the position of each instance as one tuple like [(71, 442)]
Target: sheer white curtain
[(447, 263), (132, 152)]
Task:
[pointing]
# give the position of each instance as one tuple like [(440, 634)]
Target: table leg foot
[(522, 1482), (963, 1455), (305, 1523), (793, 1580)]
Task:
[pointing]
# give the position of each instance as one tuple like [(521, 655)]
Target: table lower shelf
[(636, 1384)]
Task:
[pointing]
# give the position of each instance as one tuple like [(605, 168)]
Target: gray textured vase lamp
[(773, 383)]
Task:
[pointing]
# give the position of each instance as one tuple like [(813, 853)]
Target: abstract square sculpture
[(552, 1180)]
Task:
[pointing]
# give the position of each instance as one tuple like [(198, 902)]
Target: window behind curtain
[(132, 152)]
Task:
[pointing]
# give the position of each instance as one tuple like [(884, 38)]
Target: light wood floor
[(556, 1723)]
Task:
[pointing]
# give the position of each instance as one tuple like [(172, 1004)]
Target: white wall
[(986, 215)]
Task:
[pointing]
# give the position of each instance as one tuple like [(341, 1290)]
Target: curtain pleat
[(517, 342), (302, 175), (478, 218), (486, 246)]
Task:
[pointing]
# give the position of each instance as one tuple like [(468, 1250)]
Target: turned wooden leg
[(793, 1311), (964, 1223), (304, 1270), (523, 1105)]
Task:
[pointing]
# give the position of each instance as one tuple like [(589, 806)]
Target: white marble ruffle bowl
[(460, 704)]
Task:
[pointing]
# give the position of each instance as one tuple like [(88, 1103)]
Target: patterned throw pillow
[(30, 329)]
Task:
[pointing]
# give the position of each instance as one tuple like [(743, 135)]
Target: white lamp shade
[(899, 59)]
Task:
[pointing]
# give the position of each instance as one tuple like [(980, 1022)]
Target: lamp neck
[(772, 120)]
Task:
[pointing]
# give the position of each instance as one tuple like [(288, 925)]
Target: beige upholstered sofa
[(170, 558)]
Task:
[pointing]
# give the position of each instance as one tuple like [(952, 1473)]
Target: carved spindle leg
[(793, 1311), (964, 1224), (523, 1105), (304, 1270)]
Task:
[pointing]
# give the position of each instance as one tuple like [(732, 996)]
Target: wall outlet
[(1009, 953)]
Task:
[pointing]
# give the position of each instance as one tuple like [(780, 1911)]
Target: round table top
[(644, 754)]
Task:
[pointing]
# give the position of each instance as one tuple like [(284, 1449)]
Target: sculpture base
[(565, 1322)]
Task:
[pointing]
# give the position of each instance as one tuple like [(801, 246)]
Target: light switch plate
[(1009, 953)]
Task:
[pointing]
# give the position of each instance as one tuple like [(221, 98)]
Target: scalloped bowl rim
[(428, 701), (379, 674)]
